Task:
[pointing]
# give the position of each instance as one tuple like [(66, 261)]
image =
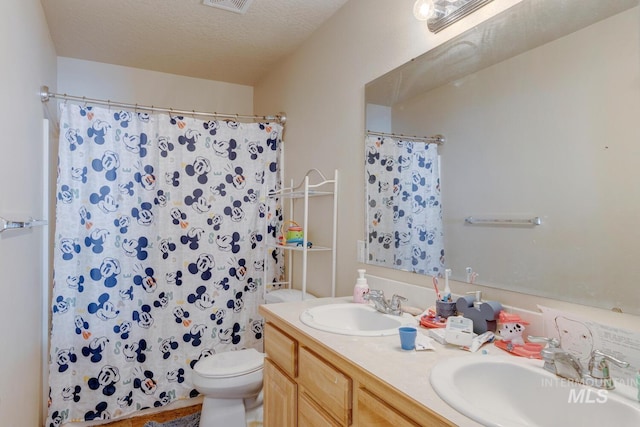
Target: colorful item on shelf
[(294, 233)]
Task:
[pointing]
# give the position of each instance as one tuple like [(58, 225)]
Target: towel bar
[(504, 221), (12, 225)]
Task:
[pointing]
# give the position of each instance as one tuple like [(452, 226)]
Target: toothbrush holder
[(445, 309)]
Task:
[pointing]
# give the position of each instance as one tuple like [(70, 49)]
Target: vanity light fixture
[(423, 9), (439, 14)]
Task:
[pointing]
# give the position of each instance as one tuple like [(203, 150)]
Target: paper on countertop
[(423, 343), (580, 336)]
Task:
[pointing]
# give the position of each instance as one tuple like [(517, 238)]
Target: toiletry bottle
[(361, 288), (477, 300)]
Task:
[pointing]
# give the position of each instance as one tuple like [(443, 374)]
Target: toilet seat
[(230, 364)]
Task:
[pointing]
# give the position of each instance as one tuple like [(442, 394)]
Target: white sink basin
[(508, 391), (354, 319)]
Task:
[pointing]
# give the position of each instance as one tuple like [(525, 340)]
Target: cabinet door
[(311, 415), (374, 412), (330, 388), (280, 395)]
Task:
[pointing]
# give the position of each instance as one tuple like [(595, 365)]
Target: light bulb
[(423, 9)]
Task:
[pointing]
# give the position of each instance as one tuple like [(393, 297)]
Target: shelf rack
[(306, 189)]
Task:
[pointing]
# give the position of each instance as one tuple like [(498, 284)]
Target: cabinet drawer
[(373, 412), (329, 388), (281, 349), (311, 415)]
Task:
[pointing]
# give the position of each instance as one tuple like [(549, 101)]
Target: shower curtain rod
[(45, 95), (435, 139)]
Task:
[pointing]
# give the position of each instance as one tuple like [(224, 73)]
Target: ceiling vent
[(237, 6)]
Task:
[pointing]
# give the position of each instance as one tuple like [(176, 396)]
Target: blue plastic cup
[(408, 337)]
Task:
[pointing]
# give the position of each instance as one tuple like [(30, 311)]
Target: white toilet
[(285, 295), (231, 382)]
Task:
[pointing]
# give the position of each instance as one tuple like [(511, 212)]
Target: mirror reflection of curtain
[(404, 209)]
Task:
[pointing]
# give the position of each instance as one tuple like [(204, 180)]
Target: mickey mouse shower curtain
[(159, 257), (404, 208)]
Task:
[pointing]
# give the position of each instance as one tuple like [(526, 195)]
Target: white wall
[(29, 61), (136, 86), (321, 88)]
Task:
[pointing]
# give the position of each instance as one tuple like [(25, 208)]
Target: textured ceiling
[(185, 37)]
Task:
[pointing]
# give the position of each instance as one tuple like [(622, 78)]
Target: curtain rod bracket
[(44, 93)]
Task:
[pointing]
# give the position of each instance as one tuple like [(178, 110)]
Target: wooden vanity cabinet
[(300, 388), (307, 384), (280, 394), (374, 412), (310, 414), (280, 369)]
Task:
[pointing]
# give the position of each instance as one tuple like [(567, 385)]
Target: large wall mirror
[(540, 108)]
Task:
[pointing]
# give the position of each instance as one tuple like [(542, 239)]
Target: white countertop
[(407, 371)]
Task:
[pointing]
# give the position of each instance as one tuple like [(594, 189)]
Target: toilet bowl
[(231, 382), (228, 380)]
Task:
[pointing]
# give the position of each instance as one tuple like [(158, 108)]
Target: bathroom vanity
[(317, 378)]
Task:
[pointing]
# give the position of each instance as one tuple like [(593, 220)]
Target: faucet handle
[(376, 293), (598, 366), (395, 307), (550, 342), (548, 353), (396, 301), (373, 295)]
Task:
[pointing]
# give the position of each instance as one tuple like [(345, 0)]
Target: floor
[(160, 417), (254, 417)]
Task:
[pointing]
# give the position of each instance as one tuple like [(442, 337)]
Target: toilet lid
[(230, 363)]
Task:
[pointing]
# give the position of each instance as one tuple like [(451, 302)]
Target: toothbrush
[(435, 285), (447, 289), (474, 277)]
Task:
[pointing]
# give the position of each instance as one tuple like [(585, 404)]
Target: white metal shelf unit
[(304, 191)]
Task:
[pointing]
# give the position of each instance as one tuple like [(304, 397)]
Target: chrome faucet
[(382, 305), (599, 368), (565, 365)]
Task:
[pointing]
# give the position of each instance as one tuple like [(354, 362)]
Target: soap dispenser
[(361, 288)]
